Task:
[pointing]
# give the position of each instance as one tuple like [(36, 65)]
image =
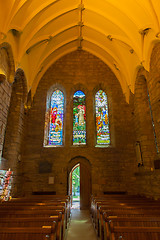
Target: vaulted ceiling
[(120, 32)]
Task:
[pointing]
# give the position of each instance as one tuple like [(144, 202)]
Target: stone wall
[(154, 89), (146, 178), (112, 166)]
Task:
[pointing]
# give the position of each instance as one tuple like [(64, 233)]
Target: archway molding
[(76, 160)]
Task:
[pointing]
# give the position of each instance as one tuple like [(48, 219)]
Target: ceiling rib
[(49, 38), (155, 14), (80, 38), (41, 9)]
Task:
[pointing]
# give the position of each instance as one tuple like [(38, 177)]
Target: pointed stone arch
[(8, 66), (143, 119)]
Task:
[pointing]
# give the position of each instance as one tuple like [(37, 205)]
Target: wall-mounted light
[(81, 7), (2, 35), (80, 24), (110, 37), (131, 51), (144, 31), (116, 67), (158, 35)]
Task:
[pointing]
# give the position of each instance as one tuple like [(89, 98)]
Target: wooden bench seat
[(101, 208), (34, 222), (122, 206), (123, 212), (47, 202), (36, 211), (28, 233), (41, 198), (128, 222), (135, 233), (124, 202), (35, 207), (35, 214), (61, 207)]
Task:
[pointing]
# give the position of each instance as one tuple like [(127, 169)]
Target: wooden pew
[(135, 233), (121, 206), (128, 222), (124, 213), (121, 210), (34, 214), (37, 207), (28, 233), (43, 200), (34, 222), (100, 208), (124, 202)]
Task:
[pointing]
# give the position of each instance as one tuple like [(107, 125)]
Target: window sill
[(103, 146), (52, 146)]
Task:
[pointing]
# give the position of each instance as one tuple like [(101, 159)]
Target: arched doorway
[(85, 180)]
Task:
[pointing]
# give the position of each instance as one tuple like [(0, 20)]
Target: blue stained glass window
[(79, 118), (56, 119), (102, 120)]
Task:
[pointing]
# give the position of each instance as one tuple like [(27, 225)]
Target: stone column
[(15, 129)]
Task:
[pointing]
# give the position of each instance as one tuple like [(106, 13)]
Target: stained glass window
[(102, 121), (54, 120), (5, 184), (79, 118)]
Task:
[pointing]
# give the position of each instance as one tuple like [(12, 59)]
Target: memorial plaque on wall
[(45, 167)]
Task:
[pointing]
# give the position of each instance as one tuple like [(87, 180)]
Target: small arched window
[(102, 119), (54, 120), (79, 118)]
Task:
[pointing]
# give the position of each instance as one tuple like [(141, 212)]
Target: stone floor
[(80, 227)]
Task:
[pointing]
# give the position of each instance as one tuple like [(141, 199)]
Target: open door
[(85, 187)]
